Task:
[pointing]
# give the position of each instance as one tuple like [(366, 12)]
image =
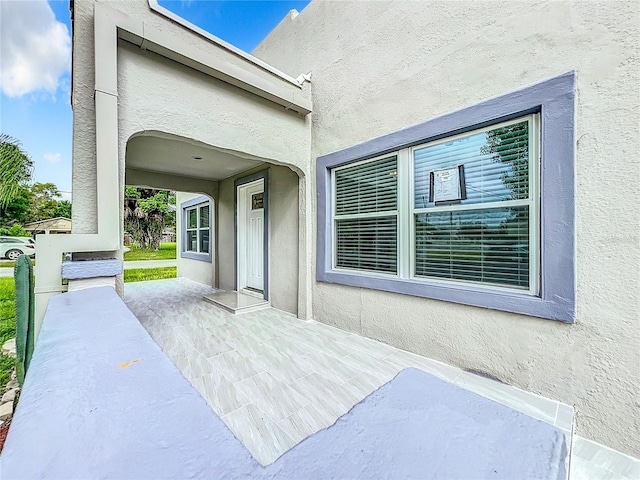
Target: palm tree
[(15, 169)]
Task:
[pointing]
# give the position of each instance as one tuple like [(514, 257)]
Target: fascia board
[(153, 5)]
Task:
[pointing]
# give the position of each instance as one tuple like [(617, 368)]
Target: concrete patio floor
[(274, 379)]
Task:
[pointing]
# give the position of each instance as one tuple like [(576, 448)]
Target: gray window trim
[(203, 257), (555, 100)]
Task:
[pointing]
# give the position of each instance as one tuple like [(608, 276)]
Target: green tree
[(15, 169), (15, 230), (510, 146), (63, 209), (17, 210), (44, 201), (146, 213)]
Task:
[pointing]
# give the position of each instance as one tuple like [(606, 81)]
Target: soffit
[(175, 157)]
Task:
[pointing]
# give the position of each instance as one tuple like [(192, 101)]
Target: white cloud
[(52, 157), (65, 196), (35, 48)]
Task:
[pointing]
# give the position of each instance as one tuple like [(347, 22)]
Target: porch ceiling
[(174, 156)]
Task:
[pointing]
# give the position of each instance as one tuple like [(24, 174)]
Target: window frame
[(358, 216), (554, 101), (532, 202), (191, 205)]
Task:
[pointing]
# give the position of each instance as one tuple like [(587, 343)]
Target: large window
[(196, 229), (473, 207), (472, 218)]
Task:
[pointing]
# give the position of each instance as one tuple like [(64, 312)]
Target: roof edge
[(159, 9)]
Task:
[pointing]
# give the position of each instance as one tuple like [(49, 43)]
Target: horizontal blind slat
[(485, 246), (367, 244), (496, 165), (367, 187)]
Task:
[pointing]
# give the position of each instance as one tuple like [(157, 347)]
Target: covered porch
[(274, 379)]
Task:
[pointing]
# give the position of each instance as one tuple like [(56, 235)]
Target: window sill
[(202, 257), (509, 301)]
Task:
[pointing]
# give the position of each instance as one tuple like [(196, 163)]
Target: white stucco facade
[(378, 67), (239, 112), (401, 63)]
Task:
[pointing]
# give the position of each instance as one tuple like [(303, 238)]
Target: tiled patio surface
[(274, 379)]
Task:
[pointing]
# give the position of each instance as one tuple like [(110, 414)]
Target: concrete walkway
[(149, 264)]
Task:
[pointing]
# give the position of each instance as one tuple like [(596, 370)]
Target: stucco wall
[(283, 236), (152, 97), (199, 271), (381, 66)]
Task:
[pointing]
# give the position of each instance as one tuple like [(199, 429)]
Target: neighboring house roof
[(60, 223)]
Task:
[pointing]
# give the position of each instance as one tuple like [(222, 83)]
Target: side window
[(196, 226)]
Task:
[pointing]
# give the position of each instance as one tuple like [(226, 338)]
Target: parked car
[(12, 247)]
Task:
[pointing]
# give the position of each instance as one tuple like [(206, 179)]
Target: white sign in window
[(447, 184)]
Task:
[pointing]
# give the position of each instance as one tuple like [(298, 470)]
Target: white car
[(13, 247)]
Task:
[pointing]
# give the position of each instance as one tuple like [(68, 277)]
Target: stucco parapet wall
[(153, 5), (248, 76), (74, 270)]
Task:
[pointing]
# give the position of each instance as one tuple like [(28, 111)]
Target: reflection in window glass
[(204, 241), (204, 216), (192, 243), (197, 228), (496, 165), (488, 246), (193, 218)]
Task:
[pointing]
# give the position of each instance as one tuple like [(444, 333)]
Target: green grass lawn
[(143, 274), (167, 251), (7, 326)]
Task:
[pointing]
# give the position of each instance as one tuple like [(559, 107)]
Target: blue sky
[(36, 60)]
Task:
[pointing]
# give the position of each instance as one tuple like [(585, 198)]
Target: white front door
[(251, 236)]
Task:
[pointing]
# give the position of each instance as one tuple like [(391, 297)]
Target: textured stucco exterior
[(153, 100), (378, 67)]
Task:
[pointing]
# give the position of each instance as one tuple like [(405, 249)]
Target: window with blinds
[(365, 216), (464, 208), (484, 236)]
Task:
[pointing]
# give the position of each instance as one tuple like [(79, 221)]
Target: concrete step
[(237, 302)]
